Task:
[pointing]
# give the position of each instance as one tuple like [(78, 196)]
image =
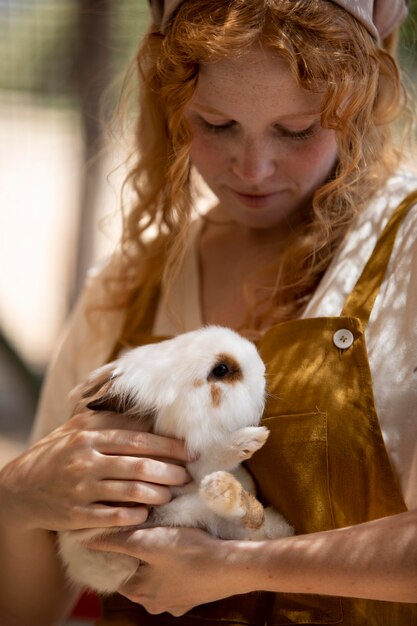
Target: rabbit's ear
[(109, 400), (95, 382), (102, 396), (98, 393)]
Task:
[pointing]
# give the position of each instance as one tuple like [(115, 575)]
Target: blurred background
[(63, 64), (62, 67)]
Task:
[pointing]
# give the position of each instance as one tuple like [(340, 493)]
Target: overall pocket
[(291, 472)]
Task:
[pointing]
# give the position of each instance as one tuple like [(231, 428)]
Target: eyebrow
[(289, 116)]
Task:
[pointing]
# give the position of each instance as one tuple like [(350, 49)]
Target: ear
[(96, 381), (97, 393), (107, 400)]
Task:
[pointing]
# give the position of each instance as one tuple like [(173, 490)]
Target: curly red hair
[(328, 51)]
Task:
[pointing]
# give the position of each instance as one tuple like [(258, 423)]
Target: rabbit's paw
[(246, 441), (224, 495)]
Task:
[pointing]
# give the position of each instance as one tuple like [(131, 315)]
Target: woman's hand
[(184, 567), (65, 480)]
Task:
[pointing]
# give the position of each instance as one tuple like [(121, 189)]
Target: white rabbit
[(206, 387)]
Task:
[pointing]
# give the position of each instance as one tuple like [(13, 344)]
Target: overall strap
[(361, 300)]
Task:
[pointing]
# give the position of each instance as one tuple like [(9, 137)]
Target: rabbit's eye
[(226, 368), (220, 370)]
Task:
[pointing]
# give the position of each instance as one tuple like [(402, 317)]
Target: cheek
[(328, 151), (316, 160), (207, 156)]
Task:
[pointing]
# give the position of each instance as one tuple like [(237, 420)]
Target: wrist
[(245, 562), (13, 518), (264, 565)]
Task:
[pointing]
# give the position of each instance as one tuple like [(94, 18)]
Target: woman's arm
[(375, 560), (187, 567), (32, 584), (60, 483)]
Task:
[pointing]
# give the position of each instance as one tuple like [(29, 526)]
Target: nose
[(253, 161)]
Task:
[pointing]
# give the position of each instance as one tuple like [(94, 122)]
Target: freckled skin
[(272, 143)]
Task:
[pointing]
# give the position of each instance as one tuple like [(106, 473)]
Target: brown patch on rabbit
[(226, 369), (254, 516), (216, 395)]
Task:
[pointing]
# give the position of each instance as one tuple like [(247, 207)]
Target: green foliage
[(408, 41), (39, 42)]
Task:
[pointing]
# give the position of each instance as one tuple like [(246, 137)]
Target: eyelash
[(218, 129), (306, 133)]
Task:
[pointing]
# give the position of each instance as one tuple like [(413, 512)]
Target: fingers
[(125, 479), (144, 469), (104, 516), (132, 491), (103, 463), (117, 435), (148, 544), (124, 542), (101, 420), (123, 442)]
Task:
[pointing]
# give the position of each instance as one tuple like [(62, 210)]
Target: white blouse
[(391, 334)]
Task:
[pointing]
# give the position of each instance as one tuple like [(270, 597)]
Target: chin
[(262, 220)]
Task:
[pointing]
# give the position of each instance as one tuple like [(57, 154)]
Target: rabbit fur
[(206, 387)]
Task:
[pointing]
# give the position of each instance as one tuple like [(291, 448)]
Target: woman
[(285, 109)]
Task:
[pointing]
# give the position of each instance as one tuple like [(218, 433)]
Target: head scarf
[(380, 17)]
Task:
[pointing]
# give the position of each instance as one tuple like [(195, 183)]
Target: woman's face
[(257, 139)]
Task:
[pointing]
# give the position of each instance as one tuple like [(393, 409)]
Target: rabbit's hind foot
[(225, 496)]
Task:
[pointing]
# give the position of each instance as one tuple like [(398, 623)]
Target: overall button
[(343, 338)]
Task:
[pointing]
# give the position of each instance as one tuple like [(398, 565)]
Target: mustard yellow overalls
[(324, 465)]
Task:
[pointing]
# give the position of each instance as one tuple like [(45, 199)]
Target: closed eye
[(304, 133), (280, 131), (216, 128)]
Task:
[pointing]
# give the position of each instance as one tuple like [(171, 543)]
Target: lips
[(256, 200)]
